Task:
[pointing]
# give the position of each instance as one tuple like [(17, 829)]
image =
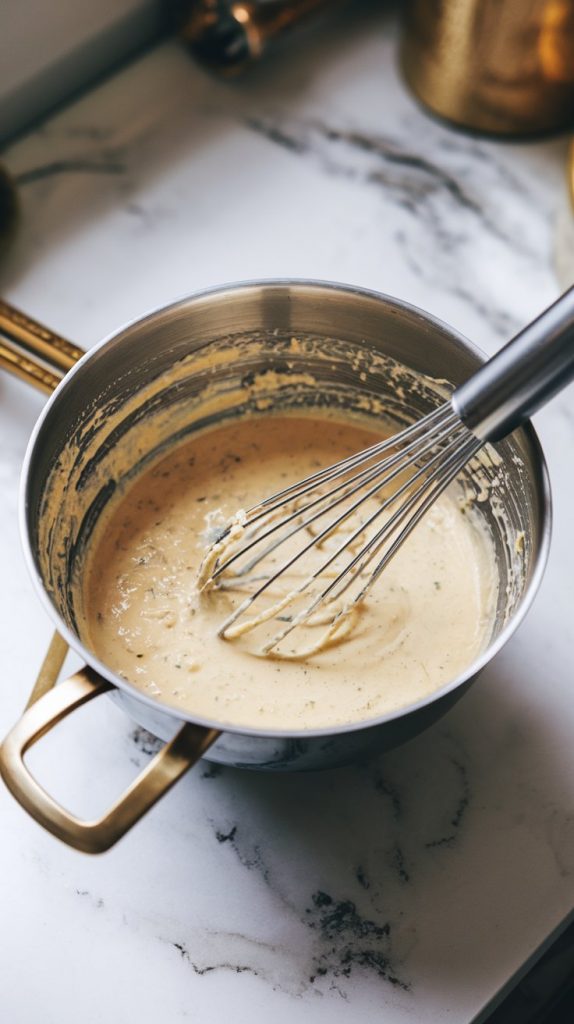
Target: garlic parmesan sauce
[(429, 615)]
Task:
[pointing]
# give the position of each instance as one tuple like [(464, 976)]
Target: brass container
[(503, 67)]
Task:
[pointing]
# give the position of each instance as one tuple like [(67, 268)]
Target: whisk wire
[(451, 467), (364, 477), (444, 415), (442, 456), (348, 487), (462, 456), (316, 540)]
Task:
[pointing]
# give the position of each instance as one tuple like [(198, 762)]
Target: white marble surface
[(408, 889)]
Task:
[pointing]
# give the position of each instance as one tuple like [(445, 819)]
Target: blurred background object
[(226, 37), (504, 67), (8, 210), (564, 255), (49, 51)]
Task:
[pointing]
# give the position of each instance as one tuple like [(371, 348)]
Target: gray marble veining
[(410, 887)]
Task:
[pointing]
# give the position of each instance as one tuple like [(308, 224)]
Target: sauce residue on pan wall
[(427, 618)]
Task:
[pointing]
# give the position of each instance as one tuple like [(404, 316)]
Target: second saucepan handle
[(33, 352)]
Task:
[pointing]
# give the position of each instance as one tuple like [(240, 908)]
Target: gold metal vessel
[(504, 67)]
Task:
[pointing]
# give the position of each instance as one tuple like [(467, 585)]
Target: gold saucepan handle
[(173, 761), (42, 358), (32, 352)]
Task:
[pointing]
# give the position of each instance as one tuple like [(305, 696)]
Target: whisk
[(396, 480)]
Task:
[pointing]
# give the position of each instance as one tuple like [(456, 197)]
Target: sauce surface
[(426, 619)]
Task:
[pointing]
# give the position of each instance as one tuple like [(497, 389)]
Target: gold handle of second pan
[(32, 352), (39, 356)]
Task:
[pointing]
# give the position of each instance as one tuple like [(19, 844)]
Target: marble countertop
[(411, 888)]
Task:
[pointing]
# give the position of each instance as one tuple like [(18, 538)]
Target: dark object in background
[(545, 995), (51, 51), (226, 36), (504, 67), (8, 210)]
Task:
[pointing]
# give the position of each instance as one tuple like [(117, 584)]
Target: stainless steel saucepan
[(218, 354)]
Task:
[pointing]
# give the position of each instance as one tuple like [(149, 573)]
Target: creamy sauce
[(425, 620)]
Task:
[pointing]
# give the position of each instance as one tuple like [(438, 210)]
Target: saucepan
[(218, 354)]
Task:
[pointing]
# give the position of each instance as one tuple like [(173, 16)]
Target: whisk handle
[(528, 371)]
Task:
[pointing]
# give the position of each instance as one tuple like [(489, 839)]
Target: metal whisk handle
[(520, 378)]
